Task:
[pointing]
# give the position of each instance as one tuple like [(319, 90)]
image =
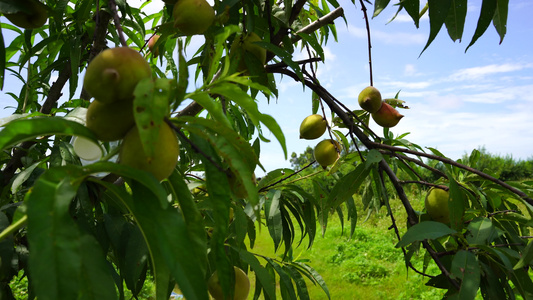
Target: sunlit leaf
[(22, 130)]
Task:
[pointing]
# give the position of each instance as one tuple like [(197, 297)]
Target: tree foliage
[(85, 230)]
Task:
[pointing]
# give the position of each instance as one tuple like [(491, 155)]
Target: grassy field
[(367, 266)]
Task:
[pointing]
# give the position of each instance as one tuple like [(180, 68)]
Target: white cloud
[(481, 72), (409, 70)]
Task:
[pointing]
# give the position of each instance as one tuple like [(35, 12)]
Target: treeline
[(505, 168)]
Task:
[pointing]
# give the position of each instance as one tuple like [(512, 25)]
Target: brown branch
[(325, 20), (118, 26), (516, 191)]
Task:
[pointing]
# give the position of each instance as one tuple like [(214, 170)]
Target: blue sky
[(458, 101)]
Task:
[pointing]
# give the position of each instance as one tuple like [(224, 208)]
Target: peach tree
[(85, 226)]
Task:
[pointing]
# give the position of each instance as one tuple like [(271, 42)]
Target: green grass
[(367, 266)]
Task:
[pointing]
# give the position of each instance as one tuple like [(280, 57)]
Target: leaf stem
[(13, 227)]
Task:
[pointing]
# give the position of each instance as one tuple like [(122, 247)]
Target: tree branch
[(516, 191), (325, 20)]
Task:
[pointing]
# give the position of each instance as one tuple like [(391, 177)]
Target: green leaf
[(273, 216), (412, 7), (428, 230), (488, 8), (284, 279), (379, 5), (267, 281), (21, 130), (237, 153), (150, 107), (480, 230), (65, 263), (457, 204), (220, 203), (234, 93), (500, 18), (75, 57), (299, 280), (438, 11), (455, 21), (191, 214), (347, 186), (167, 238), (145, 178), (526, 257), (522, 282), (23, 176), (213, 107), (316, 276), (2, 60), (373, 157), (465, 266)]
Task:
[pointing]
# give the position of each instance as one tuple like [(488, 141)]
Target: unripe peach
[(313, 127), (193, 16), (387, 116), (241, 288), (113, 74), (151, 45), (110, 122), (370, 99), (34, 15), (165, 158), (243, 45), (436, 204), (326, 152)]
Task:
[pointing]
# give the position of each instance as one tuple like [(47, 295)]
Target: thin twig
[(118, 26), (363, 8), (285, 178)]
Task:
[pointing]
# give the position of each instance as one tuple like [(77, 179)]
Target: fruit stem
[(13, 227)]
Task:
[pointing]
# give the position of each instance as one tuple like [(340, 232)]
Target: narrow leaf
[(465, 266), (500, 18), (526, 257), (488, 8), (438, 11), (480, 229), (21, 130), (424, 230), (455, 21), (379, 5)]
